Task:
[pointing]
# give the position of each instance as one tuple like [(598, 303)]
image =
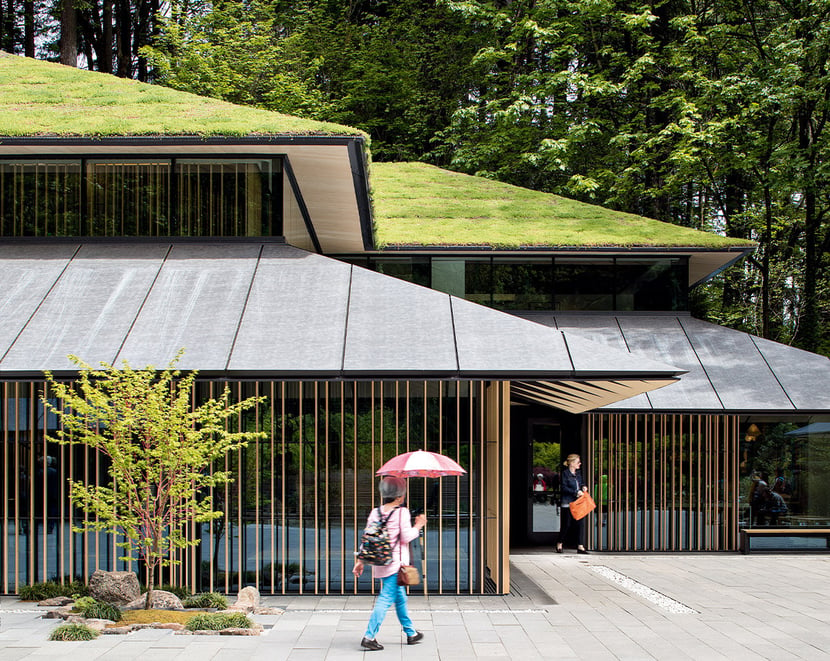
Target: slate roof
[(269, 310), (726, 370)]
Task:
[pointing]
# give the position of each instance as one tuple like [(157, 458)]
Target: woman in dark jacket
[(571, 487)]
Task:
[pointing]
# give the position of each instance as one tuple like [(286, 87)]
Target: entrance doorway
[(541, 438)]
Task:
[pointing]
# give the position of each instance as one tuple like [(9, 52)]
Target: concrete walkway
[(595, 607)]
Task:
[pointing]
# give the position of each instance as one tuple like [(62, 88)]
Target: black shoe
[(582, 551), (559, 549), (371, 645), (412, 640)]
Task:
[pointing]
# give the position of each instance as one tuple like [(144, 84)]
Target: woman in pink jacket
[(401, 531)]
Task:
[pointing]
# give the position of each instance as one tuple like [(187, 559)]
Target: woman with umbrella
[(401, 531)]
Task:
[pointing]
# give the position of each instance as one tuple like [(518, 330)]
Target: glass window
[(40, 198), (448, 275), (650, 284), (523, 283), (128, 198), (581, 285), (784, 473), (223, 197), (411, 269)]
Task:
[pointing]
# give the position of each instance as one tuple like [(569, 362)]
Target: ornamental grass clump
[(218, 621), (73, 632), (91, 608), (206, 600)]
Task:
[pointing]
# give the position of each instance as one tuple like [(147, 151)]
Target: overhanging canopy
[(251, 309), (726, 370)]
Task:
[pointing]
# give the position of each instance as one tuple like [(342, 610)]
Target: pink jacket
[(400, 531)]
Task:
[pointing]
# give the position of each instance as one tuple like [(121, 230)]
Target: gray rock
[(247, 600), (239, 632), (114, 587), (97, 624), (162, 600), (56, 601), (58, 613)]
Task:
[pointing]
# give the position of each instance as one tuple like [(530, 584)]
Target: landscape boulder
[(161, 599), (114, 587), (247, 600)]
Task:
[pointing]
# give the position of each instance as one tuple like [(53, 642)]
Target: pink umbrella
[(420, 464)]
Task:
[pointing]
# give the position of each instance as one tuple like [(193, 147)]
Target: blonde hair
[(571, 458)]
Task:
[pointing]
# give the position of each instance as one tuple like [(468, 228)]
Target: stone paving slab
[(744, 607)]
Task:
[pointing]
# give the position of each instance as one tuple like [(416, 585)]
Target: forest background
[(709, 114)]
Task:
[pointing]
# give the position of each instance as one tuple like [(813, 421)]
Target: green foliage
[(97, 609), (218, 621), (73, 632), (206, 600), (49, 589), (161, 451)]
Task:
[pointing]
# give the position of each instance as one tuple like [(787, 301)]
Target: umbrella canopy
[(420, 464)]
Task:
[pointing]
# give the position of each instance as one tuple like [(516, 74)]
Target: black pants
[(567, 522)]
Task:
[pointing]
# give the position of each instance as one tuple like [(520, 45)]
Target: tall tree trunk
[(106, 35), (29, 28), (69, 34), (123, 24)]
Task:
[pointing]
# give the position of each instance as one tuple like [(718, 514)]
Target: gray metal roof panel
[(27, 272), (496, 342), (90, 309), (196, 303), (804, 376), (395, 326), (664, 338), (295, 316), (737, 370)]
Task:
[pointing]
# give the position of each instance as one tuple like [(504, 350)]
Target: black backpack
[(375, 547)]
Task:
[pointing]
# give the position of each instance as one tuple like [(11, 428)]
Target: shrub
[(206, 600), (73, 632), (82, 603), (216, 621), (49, 589)]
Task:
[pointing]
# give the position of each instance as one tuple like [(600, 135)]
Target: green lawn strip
[(416, 204), (40, 98)]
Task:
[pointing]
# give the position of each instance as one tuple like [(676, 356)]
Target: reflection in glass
[(40, 198), (784, 473), (581, 285), (523, 284)]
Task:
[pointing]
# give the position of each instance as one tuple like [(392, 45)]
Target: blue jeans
[(390, 593)]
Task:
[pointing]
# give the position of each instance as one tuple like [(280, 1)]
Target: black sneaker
[(371, 645), (412, 640)]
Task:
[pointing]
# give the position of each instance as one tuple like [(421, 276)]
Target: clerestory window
[(125, 197)]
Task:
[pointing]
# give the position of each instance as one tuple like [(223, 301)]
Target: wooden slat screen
[(663, 482), (294, 513)]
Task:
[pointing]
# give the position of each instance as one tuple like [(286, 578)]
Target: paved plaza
[(564, 607)]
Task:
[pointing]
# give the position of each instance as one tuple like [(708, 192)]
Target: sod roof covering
[(40, 98), (421, 205)]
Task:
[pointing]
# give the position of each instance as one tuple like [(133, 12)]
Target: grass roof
[(40, 98), (417, 204)]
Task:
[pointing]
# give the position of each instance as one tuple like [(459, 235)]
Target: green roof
[(416, 204), (40, 98)]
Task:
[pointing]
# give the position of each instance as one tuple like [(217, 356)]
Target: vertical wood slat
[(693, 456), (245, 539)]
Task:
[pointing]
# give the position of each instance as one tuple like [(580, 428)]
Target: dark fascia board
[(358, 159), (366, 375), (740, 251)]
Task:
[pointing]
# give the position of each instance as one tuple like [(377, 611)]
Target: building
[(360, 301)]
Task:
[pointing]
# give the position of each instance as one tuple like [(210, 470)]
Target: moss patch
[(153, 615), (421, 205), (44, 99)]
